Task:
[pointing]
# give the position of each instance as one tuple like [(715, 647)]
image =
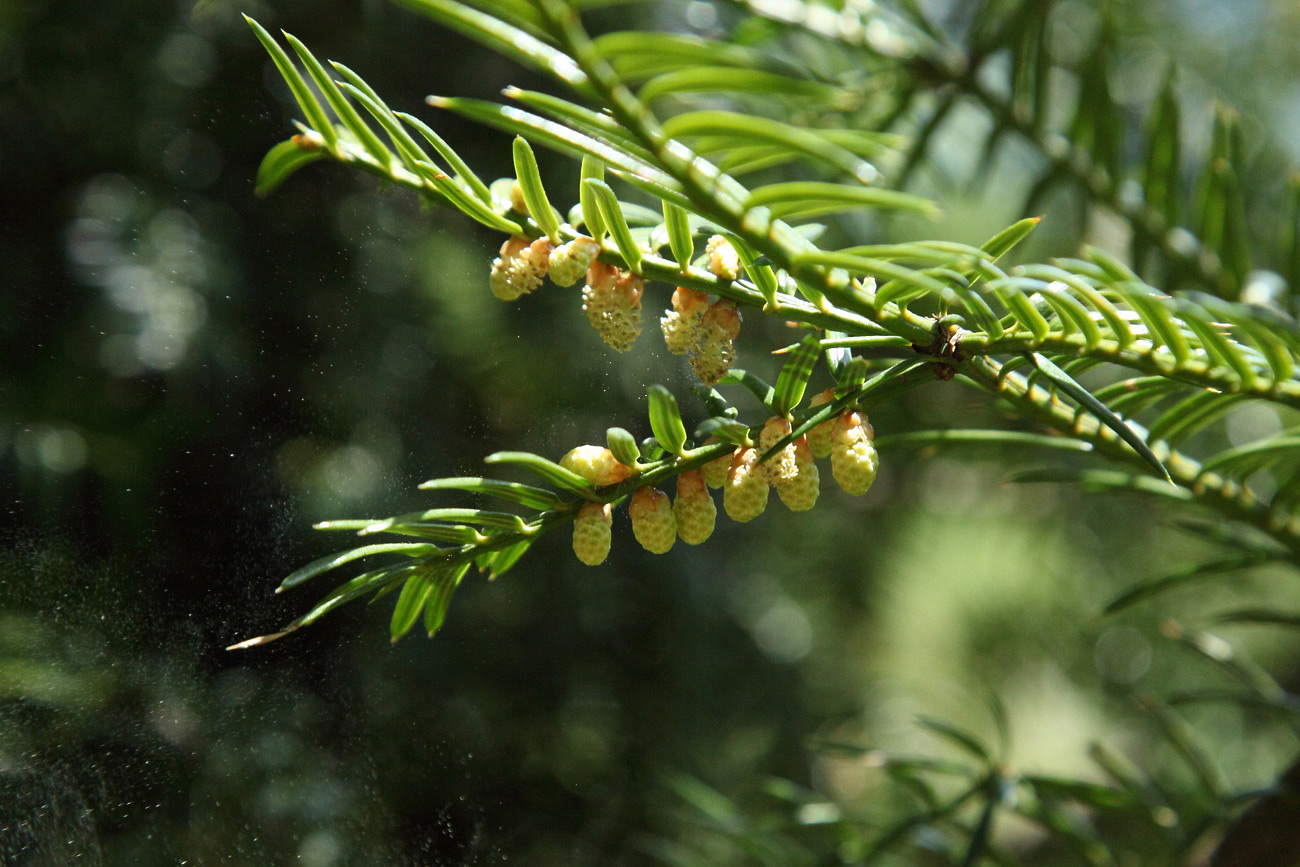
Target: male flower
[(853, 453), (612, 300)]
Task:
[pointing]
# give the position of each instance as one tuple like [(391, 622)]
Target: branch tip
[(259, 640)]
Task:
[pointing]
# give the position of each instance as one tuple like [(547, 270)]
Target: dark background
[(190, 377)]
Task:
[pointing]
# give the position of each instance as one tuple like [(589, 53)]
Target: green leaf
[(738, 158), (1090, 297), (418, 162), (504, 39), (524, 495), (795, 373), (410, 604), (680, 241), (340, 558), (500, 561), (725, 80), (612, 215), (624, 446), (1183, 577), (547, 470), (805, 199), (592, 169), (539, 130), (1239, 666), (1071, 312), (756, 385), (340, 104), (979, 840), (1001, 243), (1128, 777), (1220, 217), (920, 140), (1011, 292), (480, 517), (707, 800), (1260, 617), (313, 111), (759, 272), (408, 150), (956, 736), (867, 266), (1085, 398), (445, 583), (1190, 415), (1287, 496), (534, 192), (281, 161), (726, 429), (979, 310), (1154, 311), (1004, 440), (368, 582), (639, 54), (1244, 460), (1108, 268), (714, 402), (852, 375), (1276, 340), (597, 125), (1098, 124), (463, 172), (1290, 247), (750, 128), (838, 356), (1185, 740), (1093, 795), (1128, 397), (1221, 351), (1239, 537), (666, 420), (943, 252), (456, 534), (1162, 172), (933, 816), (1105, 480), (835, 341), (1286, 708)]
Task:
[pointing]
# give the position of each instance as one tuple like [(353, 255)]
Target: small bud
[(715, 471), (520, 267), (538, 256), (612, 300), (779, 467), (853, 453), (713, 352), (517, 201), (723, 261), (800, 493), (309, 140), (592, 533), (653, 522), (681, 324), (694, 509), (745, 495), (819, 438), (596, 464), (570, 261), (503, 269)]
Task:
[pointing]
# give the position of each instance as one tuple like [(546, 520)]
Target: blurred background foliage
[(191, 376)]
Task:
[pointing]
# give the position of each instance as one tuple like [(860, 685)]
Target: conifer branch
[(1190, 482)]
